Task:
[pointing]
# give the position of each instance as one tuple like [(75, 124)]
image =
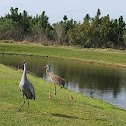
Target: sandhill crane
[(55, 79), (26, 87)]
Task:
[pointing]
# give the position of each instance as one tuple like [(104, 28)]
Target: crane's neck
[(24, 72), (47, 69)]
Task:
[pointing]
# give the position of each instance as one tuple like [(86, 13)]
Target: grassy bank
[(58, 111), (96, 56)]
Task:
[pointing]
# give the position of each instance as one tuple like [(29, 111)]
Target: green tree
[(65, 18), (80, 35), (41, 28), (25, 22), (9, 30), (61, 30), (121, 28), (105, 31), (97, 18)]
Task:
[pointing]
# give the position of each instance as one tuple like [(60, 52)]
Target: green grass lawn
[(57, 111), (97, 56)]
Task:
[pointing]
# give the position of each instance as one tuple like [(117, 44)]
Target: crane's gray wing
[(31, 88)]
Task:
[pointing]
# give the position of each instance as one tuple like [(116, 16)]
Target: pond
[(106, 83)]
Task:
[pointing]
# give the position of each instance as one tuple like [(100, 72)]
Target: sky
[(75, 9)]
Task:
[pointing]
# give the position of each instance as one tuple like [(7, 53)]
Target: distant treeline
[(94, 32)]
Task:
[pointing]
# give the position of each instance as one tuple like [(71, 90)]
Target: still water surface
[(106, 83)]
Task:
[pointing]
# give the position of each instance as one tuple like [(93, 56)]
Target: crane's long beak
[(23, 64)]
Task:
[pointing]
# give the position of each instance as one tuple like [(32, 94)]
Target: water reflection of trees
[(79, 75), (92, 78)]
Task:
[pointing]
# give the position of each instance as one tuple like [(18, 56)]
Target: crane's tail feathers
[(63, 82)]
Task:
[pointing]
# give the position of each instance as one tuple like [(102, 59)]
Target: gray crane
[(55, 79), (26, 87)]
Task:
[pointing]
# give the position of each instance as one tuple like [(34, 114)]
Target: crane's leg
[(28, 105), (22, 104), (59, 89)]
